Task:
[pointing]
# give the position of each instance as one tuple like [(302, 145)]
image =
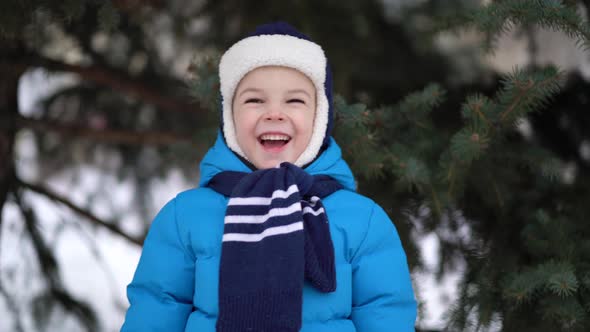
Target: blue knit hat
[(278, 44)]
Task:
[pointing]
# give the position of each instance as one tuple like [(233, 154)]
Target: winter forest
[(468, 121)]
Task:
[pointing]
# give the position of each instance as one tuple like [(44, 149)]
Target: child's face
[(273, 111)]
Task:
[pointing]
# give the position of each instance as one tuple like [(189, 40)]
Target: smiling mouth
[(273, 142)]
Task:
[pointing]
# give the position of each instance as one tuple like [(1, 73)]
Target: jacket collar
[(220, 158)]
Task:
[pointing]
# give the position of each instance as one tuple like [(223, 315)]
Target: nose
[(274, 113)]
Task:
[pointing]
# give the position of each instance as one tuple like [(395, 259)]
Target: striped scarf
[(276, 235)]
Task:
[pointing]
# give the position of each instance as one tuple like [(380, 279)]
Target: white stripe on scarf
[(263, 200), (259, 219), (241, 237)]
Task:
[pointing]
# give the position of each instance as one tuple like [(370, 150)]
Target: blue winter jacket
[(176, 281)]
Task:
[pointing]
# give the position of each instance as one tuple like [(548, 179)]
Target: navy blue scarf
[(276, 235)]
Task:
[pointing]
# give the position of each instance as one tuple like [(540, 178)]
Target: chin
[(270, 163), (267, 165)]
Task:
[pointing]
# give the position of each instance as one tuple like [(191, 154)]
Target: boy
[(275, 239)]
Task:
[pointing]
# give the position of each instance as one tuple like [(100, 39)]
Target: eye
[(296, 100), (253, 100)]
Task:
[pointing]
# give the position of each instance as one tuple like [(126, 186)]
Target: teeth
[(273, 137)]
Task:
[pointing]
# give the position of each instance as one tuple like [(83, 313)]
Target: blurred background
[(107, 107)]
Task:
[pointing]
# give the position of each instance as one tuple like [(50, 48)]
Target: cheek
[(306, 125), (242, 124)]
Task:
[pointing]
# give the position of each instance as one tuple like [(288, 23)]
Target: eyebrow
[(299, 91), (260, 90), (249, 90)]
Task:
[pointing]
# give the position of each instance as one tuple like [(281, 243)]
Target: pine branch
[(524, 92), (204, 83), (105, 135), (499, 17), (468, 145), (111, 226), (420, 103), (412, 172), (115, 80), (48, 265)]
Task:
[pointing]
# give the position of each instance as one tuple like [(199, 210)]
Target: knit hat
[(278, 44)]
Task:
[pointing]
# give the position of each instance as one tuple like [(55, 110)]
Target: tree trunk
[(9, 77)]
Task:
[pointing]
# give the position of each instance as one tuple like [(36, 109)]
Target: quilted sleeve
[(382, 295), (161, 292)]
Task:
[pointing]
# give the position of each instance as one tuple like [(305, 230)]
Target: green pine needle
[(502, 16), (204, 84), (568, 313), (542, 162), (467, 145), (561, 279), (420, 103), (522, 287), (413, 173), (479, 112), (524, 92)]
